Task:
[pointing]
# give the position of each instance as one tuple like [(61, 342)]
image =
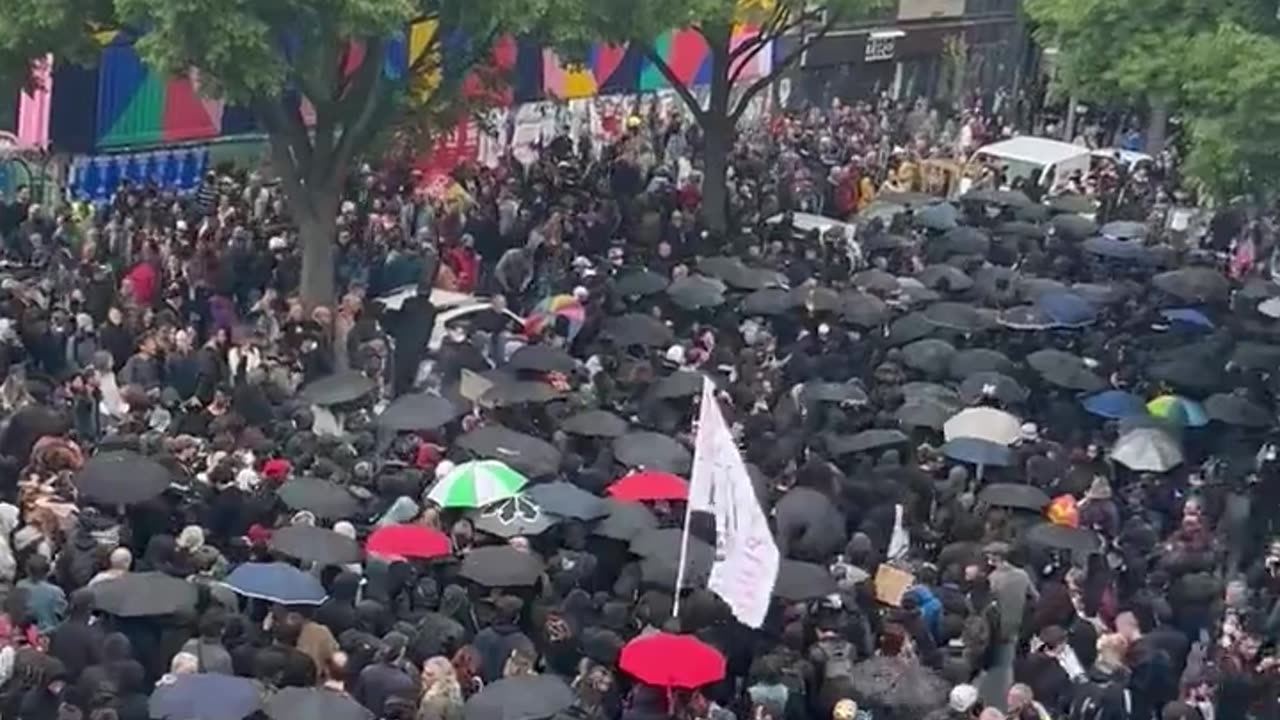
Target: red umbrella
[(672, 661), (649, 485), (408, 541)]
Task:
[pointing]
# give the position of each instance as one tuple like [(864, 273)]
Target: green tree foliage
[(1216, 63), (268, 54), (641, 23)]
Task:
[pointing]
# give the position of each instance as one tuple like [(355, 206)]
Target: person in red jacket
[(143, 281), (461, 257)]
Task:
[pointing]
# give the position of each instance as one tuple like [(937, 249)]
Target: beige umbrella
[(984, 423)]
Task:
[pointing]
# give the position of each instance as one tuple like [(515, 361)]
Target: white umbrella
[(984, 423), (1147, 450), (1270, 307)]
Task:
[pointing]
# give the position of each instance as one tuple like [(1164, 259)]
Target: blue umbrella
[(205, 696), (1067, 309), (1188, 316), (276, 582), (942, 216), (978, 452), (1114, 405)]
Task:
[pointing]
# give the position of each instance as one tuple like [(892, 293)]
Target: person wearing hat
[(962, 704)]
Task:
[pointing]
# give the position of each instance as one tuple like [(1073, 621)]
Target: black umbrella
[(942, 216), (695, 292), (1233, 409), (1014, 495), (665, 543), (799, 581), (769, 301), (923, 413), (664, 571), (530, 455), (653, 451), (1193, 373), (993, 385), (204, 696), (595, 423), (322, 497), (144, 594), (876, 281), (914, 292), (567, 501), (1020, 229), (295, 703), (909, 328), (513, 517), (957, 316), (419, 411), (338, 388), (1251, 355), (966, 240), (541, 358), (933, 392), (640, 282), (845, 392), (864, 310), (315, 544), (997, 285), (1032, 288), (506, 391), (121, 478), (977, 360), (1194, 284), (1063, 537), (930, 355), (524, 697), (679, 384), (1073, 227), (1065, 370), (625, 520), (818, 299), (737, 275), (865, 441), (1072, 203), (1116, 249), (637, 329), (880, 242), (947, 278), (501, 566)]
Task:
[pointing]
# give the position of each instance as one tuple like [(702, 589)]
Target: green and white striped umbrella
[(477, 484)]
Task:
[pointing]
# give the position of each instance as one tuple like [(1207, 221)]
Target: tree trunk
[(1069, 125), (718, 129), (318, 235), (715, 168), (1157, 126)]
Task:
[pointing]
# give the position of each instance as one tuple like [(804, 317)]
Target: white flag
[(746, 564)]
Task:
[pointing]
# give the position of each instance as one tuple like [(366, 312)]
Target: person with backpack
[(1104, 695)]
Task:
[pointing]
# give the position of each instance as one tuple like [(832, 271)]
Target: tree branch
[(787, 62), (676, 84), (359, 107)]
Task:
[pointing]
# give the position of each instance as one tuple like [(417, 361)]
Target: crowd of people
[(1061, 433)]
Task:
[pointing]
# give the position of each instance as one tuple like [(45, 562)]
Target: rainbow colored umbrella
[(1180, 410), (557, 306)]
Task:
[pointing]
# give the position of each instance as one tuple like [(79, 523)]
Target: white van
[(1041, 161)]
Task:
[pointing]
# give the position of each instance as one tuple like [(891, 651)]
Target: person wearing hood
[(387, 677), (496, 642), (1098, 509), (338, 612), (77, 642)]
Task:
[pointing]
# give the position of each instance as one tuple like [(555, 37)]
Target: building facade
[(940, 50)]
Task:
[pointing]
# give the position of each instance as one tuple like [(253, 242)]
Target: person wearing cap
[(962, 704)]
